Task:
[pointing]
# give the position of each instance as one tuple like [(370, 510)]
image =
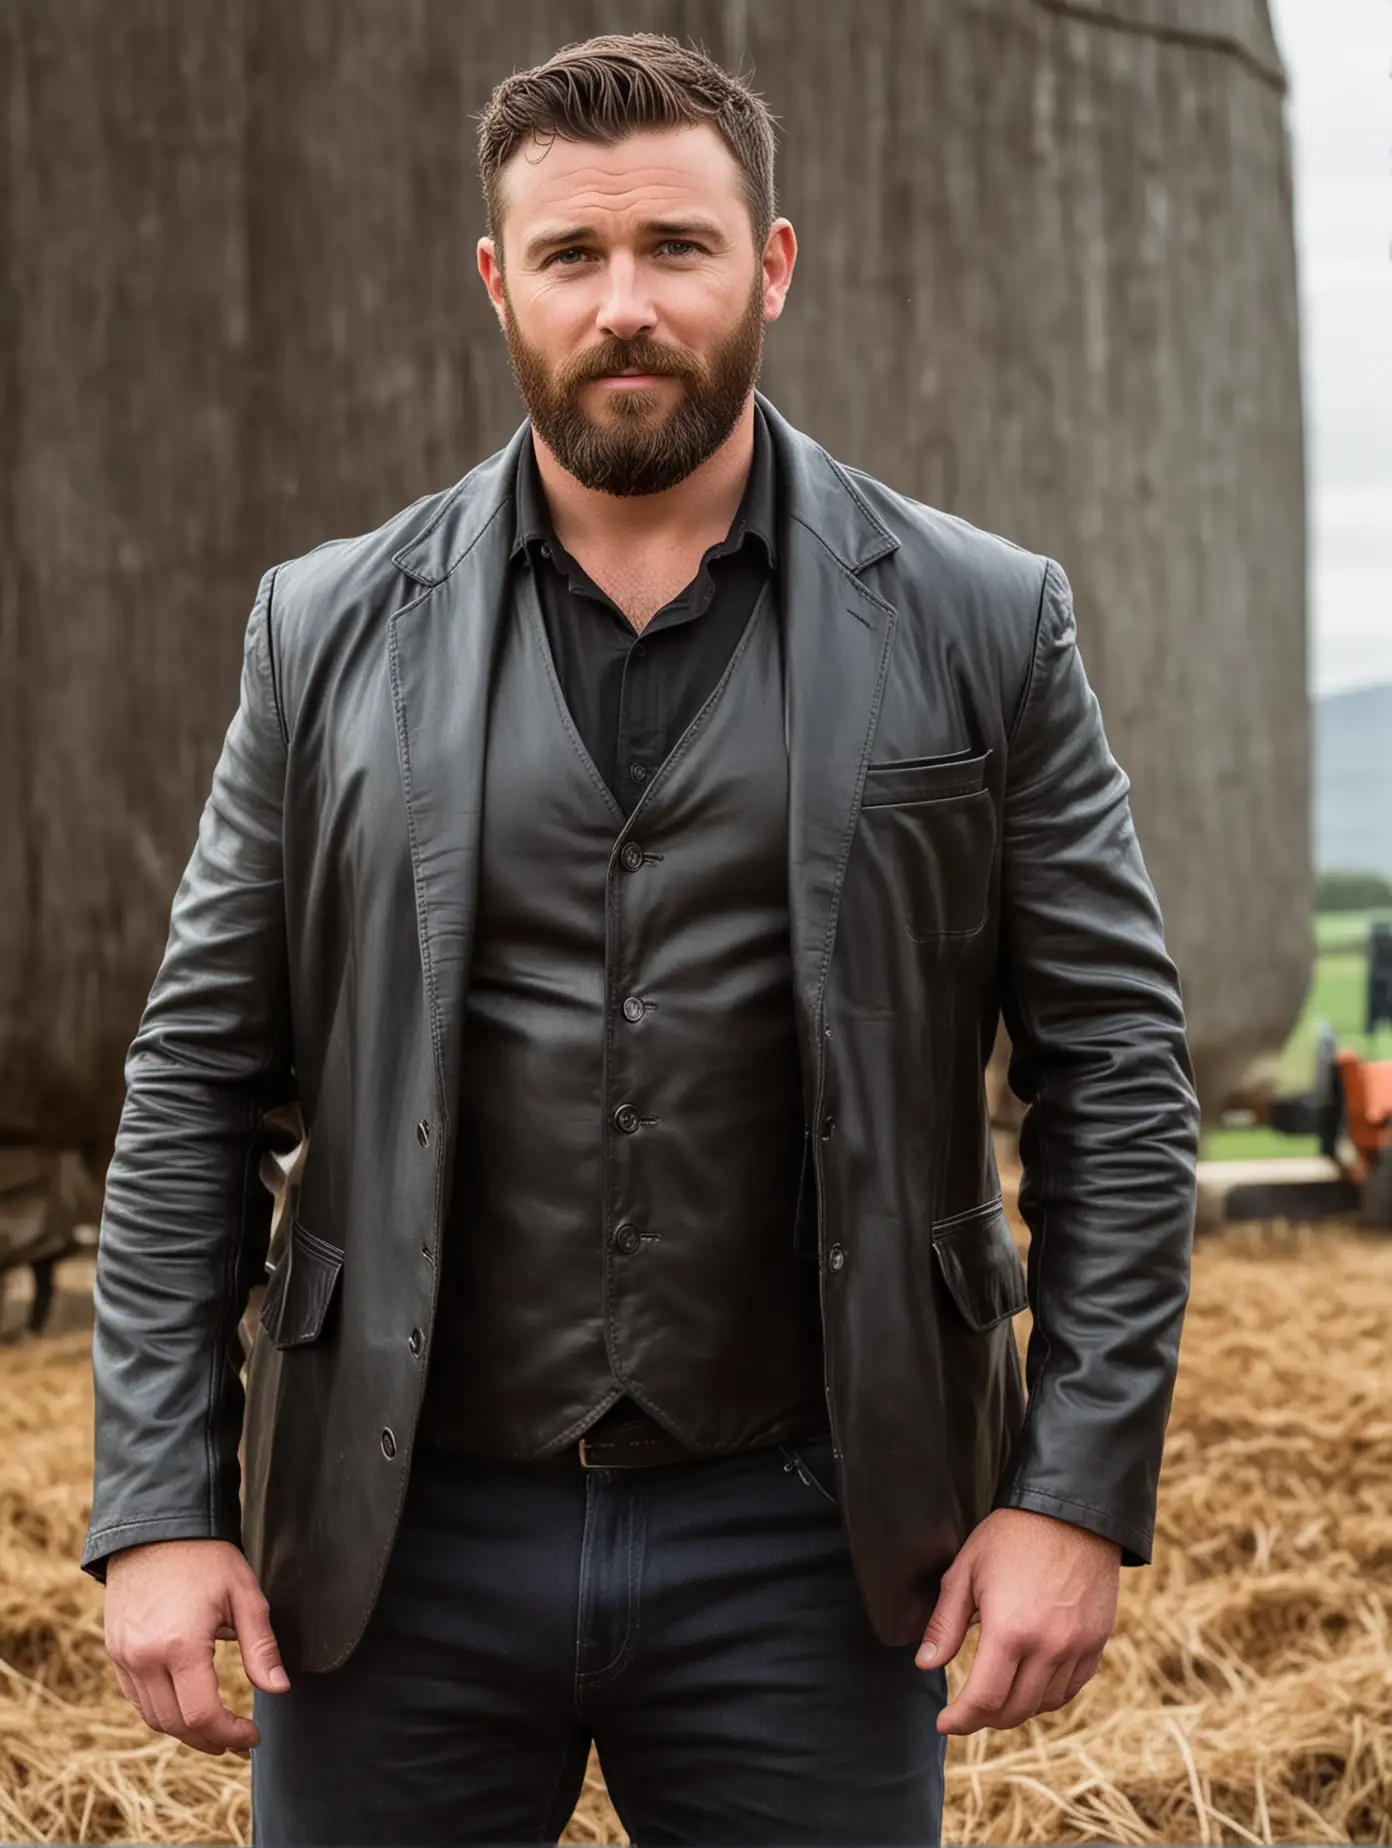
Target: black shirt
[(632, 696)]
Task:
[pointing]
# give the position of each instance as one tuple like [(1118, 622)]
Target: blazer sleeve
[(1109, 1143), (185, 1221)]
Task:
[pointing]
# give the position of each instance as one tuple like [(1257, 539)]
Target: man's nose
[(627, 308)]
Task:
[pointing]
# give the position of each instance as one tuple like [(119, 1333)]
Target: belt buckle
[(585, 1462)]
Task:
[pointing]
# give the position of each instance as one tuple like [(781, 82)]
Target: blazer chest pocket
[(300, 1289), (976, 1256), (930, 826)]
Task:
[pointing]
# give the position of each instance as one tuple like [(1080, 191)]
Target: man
[(622, 859)]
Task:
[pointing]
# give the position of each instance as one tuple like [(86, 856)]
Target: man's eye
[(571, 250), (681, 244)]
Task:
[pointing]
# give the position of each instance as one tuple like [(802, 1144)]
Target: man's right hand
[(166, 1604)]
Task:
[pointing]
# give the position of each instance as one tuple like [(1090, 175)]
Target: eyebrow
[(662, 227)]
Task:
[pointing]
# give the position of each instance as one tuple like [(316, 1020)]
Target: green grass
[(1347, 930), (1338, 993), (1257, 1144)]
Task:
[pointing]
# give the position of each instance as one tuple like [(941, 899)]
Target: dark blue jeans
[(699, 1620)]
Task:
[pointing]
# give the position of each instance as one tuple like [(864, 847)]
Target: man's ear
[(491, 269)]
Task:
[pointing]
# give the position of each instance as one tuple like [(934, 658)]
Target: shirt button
[(637, 772), (388, 1443), (634, 1007), (836, 1257), (626, 1118), (627, 1237), (631, 856), (640, 648)]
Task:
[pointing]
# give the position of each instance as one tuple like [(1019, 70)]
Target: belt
[(629, 1445), (621, 1438)]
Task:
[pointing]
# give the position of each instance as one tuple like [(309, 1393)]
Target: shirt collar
[(756, 516)]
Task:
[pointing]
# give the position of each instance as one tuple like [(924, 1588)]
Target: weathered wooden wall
[(1046, 280)]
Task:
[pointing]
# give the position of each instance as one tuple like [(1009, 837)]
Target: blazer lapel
[(836, 649), (442, 645), (836, 646)]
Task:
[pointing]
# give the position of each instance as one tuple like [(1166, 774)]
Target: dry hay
[(1246, 1694)]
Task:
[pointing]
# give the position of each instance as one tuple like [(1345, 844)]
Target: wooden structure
[(1046, 281)]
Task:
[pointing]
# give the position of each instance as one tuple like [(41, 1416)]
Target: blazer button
[(414, 1343), (627, 1237), (423, 1133), (626, 1118), (388, 1443), (836, 1257), (631, 855)]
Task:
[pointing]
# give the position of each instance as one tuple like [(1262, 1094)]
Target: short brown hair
[(606, 88)]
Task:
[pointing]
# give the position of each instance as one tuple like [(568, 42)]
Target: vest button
[(836, 1257), (423, 1133), (626, 1118), (388, 1443), (627, 1237), (634, 1008), (414, 1343), (637, 772), (631, 856)]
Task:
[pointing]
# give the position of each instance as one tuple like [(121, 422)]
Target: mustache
[(631, 356)]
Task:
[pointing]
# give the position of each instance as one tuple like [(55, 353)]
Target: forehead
[(652, 172)]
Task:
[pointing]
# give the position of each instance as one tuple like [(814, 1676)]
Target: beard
[(633, 448)]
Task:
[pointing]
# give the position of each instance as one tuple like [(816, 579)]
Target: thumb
[(260, 1651), (947, 1626)]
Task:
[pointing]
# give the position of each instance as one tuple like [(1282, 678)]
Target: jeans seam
[(586, 1679), (541, 1832), (597, 1678)]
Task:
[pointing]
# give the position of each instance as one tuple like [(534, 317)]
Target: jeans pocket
[(815, 1464)]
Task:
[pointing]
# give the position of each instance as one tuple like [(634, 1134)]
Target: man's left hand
[(1046, 1593)]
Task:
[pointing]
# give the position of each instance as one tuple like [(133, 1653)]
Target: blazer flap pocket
[(300, 1288), (980, 1265), (924, 779)]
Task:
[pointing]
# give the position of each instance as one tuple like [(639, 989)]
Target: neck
[(706, 501)]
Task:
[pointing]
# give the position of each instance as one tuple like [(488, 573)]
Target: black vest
[(631, 1138)]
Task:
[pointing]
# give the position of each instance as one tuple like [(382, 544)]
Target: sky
[(1338, 58)]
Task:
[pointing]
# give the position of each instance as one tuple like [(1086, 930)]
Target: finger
[(209, 1726), (950, 1620), (160, 1703), (260, 1652), (130, 1689), (1083, 1672), (1035, 1671), (986, 1687), (1056, 1694)]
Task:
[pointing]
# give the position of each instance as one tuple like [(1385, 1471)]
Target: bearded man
[(622, 859)]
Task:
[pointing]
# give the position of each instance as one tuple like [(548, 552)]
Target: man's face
[(633, 300)]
